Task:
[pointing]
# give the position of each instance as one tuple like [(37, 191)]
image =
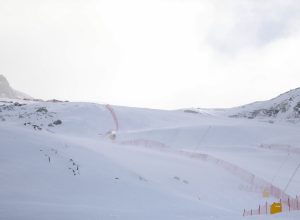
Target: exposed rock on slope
[(285, 106)]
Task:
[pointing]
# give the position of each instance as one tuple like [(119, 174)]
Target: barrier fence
[(292, 204), (261, 210), (114, 116), (287, 205), (260, 185), (144, 143), (256, 182)]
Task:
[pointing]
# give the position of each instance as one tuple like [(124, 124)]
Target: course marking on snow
[(281, 147), (114, 116), (235, 170)]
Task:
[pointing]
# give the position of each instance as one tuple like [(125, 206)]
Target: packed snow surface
[(59, 160)]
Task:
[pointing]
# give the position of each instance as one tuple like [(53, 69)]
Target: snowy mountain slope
[(108, 184), (7, 92), (285, 107), (57, 162)]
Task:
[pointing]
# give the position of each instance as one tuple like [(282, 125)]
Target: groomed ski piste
[(58, 160)]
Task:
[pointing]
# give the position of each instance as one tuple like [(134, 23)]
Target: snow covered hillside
[(285, 107), (7, 92), (58, 160)]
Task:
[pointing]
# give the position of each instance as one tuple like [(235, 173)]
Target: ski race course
[(64, 160)]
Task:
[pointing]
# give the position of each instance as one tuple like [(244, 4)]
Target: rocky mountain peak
[(6, 91)]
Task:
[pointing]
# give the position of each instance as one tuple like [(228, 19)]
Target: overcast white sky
[(156, 53)]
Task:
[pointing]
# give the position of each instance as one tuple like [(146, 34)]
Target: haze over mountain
[(6, 91)]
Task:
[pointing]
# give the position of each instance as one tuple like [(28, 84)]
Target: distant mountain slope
[(285, 107), (6, 91)]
